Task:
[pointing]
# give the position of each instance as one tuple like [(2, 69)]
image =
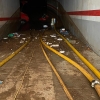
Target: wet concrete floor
[(28, 75)]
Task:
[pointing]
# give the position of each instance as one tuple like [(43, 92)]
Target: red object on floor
[(24, 16), (44, 18)]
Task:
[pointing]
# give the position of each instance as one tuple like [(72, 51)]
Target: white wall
[(73, 5), (82, 5), (8, 8), (88, 25)]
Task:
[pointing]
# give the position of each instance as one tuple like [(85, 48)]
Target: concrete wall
[(9, 16), (82, 17)]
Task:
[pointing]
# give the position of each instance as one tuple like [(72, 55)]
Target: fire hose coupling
[(94, 82)]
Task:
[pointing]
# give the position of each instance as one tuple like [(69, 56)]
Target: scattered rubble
[(63, 31), (54, 45), (22, 40), (62, 51), (1, 82)]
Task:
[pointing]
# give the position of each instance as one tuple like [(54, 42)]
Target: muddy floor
[(28, 75)]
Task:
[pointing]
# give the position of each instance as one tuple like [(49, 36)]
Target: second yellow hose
[(94, 70)]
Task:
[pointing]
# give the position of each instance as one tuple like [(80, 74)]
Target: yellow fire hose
[(94, 83), (94, 70), (13, 54), (58, 76)]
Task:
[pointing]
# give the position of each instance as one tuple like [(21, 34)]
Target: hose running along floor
[(28, 75)]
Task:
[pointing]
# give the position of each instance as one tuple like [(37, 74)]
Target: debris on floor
[(71, 41), (22, 40), (63, 31), (11, 35), (1, 82)]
